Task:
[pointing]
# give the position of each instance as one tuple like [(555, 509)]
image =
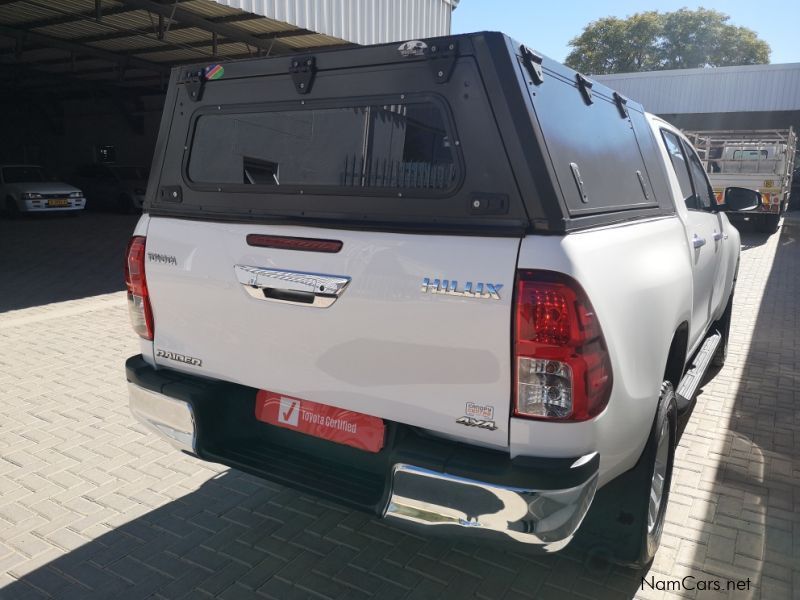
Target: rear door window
[(378, 146), (680, 166), (703, 194)]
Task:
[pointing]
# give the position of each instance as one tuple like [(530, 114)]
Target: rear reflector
[(138, 297), (283, 242), (563, 370)]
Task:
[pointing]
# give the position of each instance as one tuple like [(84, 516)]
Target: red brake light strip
[(283, 242)]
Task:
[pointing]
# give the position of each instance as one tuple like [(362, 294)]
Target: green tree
[(675, 40), (613, 45)]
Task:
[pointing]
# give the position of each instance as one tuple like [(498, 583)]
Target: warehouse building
[(82, 81), (744, 97)]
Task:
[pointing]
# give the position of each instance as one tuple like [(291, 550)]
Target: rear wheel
[(658, 457), (626, 520), (770, 223)]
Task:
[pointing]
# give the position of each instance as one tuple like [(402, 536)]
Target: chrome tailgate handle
[(291, 287)]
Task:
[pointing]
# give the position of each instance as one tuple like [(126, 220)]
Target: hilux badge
[(488, 291)]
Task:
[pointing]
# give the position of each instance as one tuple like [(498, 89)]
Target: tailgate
[(396, 155), (385, 346)]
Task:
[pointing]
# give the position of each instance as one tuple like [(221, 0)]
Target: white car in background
[(24, 189)]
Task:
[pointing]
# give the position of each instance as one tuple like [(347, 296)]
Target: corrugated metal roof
[(358, 21), (67, 43), (750, 88), (68, 38)]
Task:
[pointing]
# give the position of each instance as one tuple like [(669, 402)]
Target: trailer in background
[(759, 159)]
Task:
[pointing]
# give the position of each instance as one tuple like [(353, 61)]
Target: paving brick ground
[(93, 506)]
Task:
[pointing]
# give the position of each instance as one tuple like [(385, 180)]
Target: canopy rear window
[(379, 146)]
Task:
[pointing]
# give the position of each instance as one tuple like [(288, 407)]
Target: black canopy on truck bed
[(465, 134)]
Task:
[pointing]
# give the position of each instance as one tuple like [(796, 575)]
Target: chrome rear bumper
[(543, 517), (170, 418)]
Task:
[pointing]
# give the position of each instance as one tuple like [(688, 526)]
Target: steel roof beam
[(148, 31), (67, 46), (209, 43), (189, 18), (64, 19)]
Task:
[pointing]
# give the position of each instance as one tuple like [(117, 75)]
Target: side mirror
[(740, 199)]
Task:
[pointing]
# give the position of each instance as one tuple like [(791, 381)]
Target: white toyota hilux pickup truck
[(450, 282)]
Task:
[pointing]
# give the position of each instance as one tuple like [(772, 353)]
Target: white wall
[(358, 21)]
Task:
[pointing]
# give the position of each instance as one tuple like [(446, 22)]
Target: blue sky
[(549, 25)]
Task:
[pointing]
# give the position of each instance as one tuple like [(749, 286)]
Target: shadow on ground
[(53, 258), (748, 528), (237, 536)]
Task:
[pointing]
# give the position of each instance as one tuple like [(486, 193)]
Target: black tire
[(666, 416), (769, 223), (723, 325), (617, 524)]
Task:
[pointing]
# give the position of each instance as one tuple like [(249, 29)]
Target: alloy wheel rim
[(659, 477)]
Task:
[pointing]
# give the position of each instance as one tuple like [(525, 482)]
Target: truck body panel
[(384, 348)]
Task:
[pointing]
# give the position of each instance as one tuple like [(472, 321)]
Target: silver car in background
[(24, 189)]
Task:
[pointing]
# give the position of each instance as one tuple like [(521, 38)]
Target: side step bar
[(692, 378)]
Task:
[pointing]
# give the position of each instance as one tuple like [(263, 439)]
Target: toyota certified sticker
[(320, 420)]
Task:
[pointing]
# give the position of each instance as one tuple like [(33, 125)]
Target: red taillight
[(562, 367), (138, 298)]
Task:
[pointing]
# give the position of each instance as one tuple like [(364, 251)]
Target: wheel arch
[(676, 357)]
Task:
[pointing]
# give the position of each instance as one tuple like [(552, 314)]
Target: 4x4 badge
[(488, 291), (472, 422)]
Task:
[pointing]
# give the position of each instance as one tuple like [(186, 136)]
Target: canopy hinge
[(195, 82), (533, 64), (303, 71), (621, 102), (442, 54), (585, 87)]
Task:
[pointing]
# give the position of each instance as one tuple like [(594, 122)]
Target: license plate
[(58, 202), (346, 427)]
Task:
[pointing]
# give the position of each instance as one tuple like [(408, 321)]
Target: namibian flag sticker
[(215, 72)]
